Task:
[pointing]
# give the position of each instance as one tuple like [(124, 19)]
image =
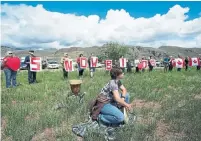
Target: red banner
[(68, 65), (83, 62), (93, 62), (35, 64), (13, 63), (122, 62), (152, 62), (144, 63), (108, 64)]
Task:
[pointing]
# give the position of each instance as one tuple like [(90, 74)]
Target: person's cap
[(9, 52), (31, 51), (65, 54)]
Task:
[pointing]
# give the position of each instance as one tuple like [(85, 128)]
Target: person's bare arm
[(123, 89), (120, 100)]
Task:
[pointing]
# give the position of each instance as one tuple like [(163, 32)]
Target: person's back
[(166, 60)]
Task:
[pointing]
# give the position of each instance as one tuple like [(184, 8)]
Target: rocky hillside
[(134, 51)]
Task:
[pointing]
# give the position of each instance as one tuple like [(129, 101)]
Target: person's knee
[(120, 118)]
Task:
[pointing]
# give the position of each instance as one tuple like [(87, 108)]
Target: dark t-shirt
[(109, 87), (186, 61)]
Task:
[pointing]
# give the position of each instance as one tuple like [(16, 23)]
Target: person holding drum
[(110, 102)]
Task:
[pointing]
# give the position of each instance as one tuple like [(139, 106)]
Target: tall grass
[(29, 109)]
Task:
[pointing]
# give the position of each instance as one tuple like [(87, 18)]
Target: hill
[(137, 51)]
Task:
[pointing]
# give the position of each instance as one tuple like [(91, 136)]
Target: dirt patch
[(145, 120), (32, 117), (163, 132), (14, 102), (162, 129), (3, 123), (157, 90), (143, 104), (47, 135), (171, 87), (80, 139), (198, 96)]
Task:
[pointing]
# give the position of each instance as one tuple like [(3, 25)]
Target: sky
[(82, 24)]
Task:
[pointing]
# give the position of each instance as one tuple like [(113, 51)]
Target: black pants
[(198, 67), (186, 68), (123, 69), (81, 72), (137, 69), (129, 69), (151, 68), (178, 69), (170, 67), (31, 76), (65, 74)]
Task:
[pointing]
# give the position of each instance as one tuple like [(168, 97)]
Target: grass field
[(168, 107)]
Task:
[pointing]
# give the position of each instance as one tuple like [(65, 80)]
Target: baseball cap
[(9, 52)]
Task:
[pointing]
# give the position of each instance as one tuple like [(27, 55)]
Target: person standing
[(171, 64), (179, 69), (166, 63), (91, 69), (199, 65), (136, 66), (186, 63), (144, 65), (150, 65), (81, 70), (65, 73), (129, 67), (10, 74), (31, 74), (123, 69)]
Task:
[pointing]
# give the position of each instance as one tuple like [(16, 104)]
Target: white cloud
[(28, 26)]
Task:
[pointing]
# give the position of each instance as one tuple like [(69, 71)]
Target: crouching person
[(106, 108)]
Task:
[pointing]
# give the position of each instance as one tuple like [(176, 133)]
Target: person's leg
[(82, 71), (13, 78), (111, 115), (34, 77), (8, 77), (178, 69), (65, 74), (30, 77), (79, 72)]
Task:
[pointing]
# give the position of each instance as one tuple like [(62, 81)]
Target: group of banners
[(36, 63)]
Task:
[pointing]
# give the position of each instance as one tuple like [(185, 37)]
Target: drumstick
[(125, 115)]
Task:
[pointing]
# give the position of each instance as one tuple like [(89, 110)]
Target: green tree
[(114, 51)]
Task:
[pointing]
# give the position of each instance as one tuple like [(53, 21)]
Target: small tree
[(115, 51)]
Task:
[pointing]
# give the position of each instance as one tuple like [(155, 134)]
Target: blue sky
[(135, 8), (63, 24)]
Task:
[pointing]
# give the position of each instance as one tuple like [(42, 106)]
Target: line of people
[(169, 63), (80, 70)]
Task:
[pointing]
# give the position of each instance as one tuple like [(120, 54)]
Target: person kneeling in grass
[(107, 106)]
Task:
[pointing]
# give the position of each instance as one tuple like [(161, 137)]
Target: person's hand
[(129, 106)]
